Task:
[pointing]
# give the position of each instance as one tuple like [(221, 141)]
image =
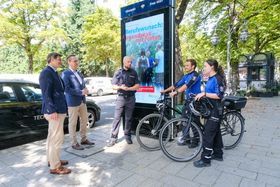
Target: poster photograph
[(145, 44)]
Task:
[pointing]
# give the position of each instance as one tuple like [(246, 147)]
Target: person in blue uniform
[(190, 83), (126, 82), (214, 91)]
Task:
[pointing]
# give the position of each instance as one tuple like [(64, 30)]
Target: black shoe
[(201, 164), (77, 147), (128, 141), (193, 145), (111, 143), (214, 157)]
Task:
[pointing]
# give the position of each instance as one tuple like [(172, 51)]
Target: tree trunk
[(107, 67), (30, 63), (257, 44), (178, 61), (178, 55)]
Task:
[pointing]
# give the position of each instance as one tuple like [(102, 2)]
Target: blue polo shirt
[(193, 82), (215, 84)]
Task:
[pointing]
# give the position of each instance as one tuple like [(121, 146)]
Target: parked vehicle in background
[(21, 120), (99, 85)]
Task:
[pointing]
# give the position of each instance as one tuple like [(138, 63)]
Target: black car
[(21, 120)]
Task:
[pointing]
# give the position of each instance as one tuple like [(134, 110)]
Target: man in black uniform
[(126, 82)]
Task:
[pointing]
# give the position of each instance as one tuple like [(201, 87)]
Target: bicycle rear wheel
[(147, 131), (171, 136), (232, 129)]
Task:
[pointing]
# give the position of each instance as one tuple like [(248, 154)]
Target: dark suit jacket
[(73, 88), (52, 92)]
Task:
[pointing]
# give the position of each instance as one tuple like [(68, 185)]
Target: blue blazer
[(73, 88), (52, 92)]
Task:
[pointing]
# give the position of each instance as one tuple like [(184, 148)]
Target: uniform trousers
[(186, 114), (74, 113), (126, 105), (54, 140), (212, 138)]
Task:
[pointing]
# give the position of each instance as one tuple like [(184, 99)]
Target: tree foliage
[(28, 24), (101, 38), (75, 18)]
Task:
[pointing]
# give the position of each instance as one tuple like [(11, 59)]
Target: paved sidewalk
[(254, 163)]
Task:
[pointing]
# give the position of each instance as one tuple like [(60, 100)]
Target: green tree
[(101, 39), (75, 18), (28, 24), (12, 59), (263, 24)]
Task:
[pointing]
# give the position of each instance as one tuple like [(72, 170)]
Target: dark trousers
[(126, 105), (212, 138), (186, 112)]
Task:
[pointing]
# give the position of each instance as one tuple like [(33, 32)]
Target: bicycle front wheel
[(232, 129), (147, 131), (176, 138)]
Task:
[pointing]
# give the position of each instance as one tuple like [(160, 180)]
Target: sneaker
[(112, 142), (201, 164), (128, 141), (214, 157), (182, 141)]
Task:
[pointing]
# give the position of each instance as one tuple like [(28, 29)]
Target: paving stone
[(152, 183), (227, 179), (147, 172), (189, 172), (253, 166), (178, 181), (134, 180), (208, 176), (174, 167), (268, 179), (251, 183), (238, 172), (270, 172)]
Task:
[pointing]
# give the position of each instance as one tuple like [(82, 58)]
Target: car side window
[(7, 94), (32, 92)]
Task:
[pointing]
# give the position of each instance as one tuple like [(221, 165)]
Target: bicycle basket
[(200, 108)]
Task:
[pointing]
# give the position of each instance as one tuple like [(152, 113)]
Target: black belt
[(125, 95)]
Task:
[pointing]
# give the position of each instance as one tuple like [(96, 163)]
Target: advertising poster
[(145, 44)]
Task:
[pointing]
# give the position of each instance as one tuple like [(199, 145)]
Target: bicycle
[(147, 131), (232, 127)]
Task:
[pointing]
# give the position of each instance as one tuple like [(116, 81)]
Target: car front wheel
[(91, 118)]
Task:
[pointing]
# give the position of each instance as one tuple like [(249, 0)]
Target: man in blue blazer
[(75, 92), (54, 109)]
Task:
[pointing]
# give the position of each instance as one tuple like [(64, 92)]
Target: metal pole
[(228, 51), (228, 58)]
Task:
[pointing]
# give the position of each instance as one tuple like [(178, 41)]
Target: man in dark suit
[(54, 109), (75, 92)]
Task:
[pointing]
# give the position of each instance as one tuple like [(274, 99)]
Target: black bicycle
[(172, 133), (147, 131)]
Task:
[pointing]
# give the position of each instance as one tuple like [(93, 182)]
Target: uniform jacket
[(52, 92), (73, 88)]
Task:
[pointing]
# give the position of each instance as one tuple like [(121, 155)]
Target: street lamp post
[(215, 39)]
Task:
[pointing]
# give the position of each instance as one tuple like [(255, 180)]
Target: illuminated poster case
[(147, 37)]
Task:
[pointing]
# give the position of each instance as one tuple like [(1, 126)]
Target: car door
[(10, 112), (33, 119)]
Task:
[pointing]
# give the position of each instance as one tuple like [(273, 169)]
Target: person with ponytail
[(214, 91)]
